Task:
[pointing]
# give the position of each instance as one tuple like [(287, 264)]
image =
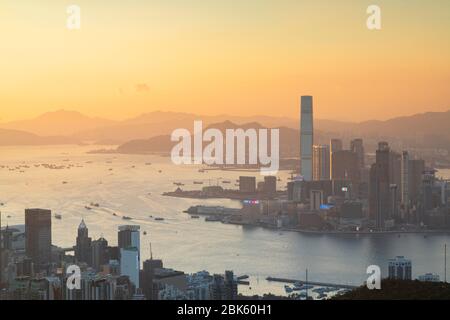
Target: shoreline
[(306, 231)]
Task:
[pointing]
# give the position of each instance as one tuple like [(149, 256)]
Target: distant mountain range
[(16, 138), (57, 123), (289, 140), (73, 127)]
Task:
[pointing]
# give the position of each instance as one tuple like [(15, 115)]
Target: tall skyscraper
[(344, 166), (306, 137), (83, 246), (379, 186), (130, 247), (38, 237), (100, 253), (357, 146), (129, 236), (335, 145), (405, 179), (148, 287), (321, 162), (129, 264), (416, 169)]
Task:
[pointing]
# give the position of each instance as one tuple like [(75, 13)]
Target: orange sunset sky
[(239, 57)]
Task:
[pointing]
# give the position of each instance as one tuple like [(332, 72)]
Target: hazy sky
[(239, 57)]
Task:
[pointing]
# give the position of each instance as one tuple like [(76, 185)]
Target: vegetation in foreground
[(400, 290)]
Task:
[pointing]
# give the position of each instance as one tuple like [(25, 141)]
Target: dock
[(314, 283)]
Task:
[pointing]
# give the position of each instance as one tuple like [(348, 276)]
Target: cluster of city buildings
[(32, 268), (400, 268), (349, 189)]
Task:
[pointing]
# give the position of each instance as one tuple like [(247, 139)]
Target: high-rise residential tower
[(344, 166), (335, 145), (100, 254), (357, 146), (306, 137), (379, 186), (130, 246), (321, 162), (129, 236), (404, 186), (38, 237)]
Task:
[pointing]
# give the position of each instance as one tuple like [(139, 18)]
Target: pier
[(314, 283)]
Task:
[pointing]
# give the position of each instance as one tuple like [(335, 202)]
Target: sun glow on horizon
[(214, 57)]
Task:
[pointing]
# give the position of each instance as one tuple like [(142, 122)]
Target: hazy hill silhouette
[(289, 140), (57, 123), (427, 129), (81, 127), (16, 137)]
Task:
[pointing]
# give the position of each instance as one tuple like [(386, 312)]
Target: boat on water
[(58, 216), (323, 290), (322, 296), (126, 218), (306, 287), (287, 289)]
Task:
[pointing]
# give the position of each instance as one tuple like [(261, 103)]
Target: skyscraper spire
[(151, 253), (82, 225)]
